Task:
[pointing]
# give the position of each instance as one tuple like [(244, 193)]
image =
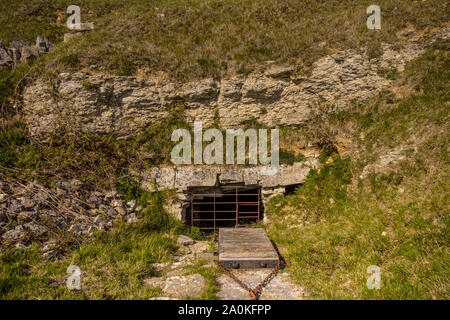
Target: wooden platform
[(246, 248)]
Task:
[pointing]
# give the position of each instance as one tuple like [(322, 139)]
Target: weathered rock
[(179, 286), (27, 53), (181, 178), (184, 240), (26, 216), (160, 266), (35, 229), (15, 206), (27, 203), (6, 60), (120, 210), (386, 161), (287, 99), (131, 204), (132, 218), (14, 235), (85, 26), (20, 51)]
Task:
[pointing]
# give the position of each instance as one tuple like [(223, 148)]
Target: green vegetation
[(331, 229), (113, 264), (336, 224), (201, 38)]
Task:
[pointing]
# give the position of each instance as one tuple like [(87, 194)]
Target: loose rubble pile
[(19, 51), (37, 214)]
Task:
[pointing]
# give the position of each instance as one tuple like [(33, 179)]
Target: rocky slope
[(46, 216)]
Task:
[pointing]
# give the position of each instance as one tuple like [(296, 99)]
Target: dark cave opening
[(230, 206)]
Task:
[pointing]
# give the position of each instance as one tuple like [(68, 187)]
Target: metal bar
[(248, 212), (214, 219), (222, 194), (237, 208), (211, 211), (192, 214), (258, 203), (218, 202), (250, 217)]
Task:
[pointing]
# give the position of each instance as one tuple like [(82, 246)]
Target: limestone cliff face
[(274, 96)]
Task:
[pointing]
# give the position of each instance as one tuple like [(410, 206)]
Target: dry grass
[(204, 38)]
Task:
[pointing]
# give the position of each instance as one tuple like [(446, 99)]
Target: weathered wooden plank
[(246, 248)]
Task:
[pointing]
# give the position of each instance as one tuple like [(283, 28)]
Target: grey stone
[(184, 240), (190, 286), (18, 44), (131, 204), (26, 216), (85, 26), (111, 194), (15, 206), (27, 203), (120, 210), (116, 203), (98, 220), (75, 184), (35, 229), (132, 218), (27, 53), (14, 235), (337, 80), (5, 59)]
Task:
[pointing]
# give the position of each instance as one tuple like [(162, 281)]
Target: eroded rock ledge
[(123, 105)]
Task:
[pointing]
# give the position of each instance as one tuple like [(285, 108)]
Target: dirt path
[(281, 287)]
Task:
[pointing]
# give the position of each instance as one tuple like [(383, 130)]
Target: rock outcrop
[(100, 103), (19, 51)]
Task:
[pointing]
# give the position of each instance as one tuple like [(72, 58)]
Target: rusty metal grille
[(238, 208)]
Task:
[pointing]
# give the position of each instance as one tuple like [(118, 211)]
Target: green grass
[(331, 229), (336, 225), (202, 38)]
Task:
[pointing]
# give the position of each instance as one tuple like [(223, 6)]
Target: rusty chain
[(256, 292)]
